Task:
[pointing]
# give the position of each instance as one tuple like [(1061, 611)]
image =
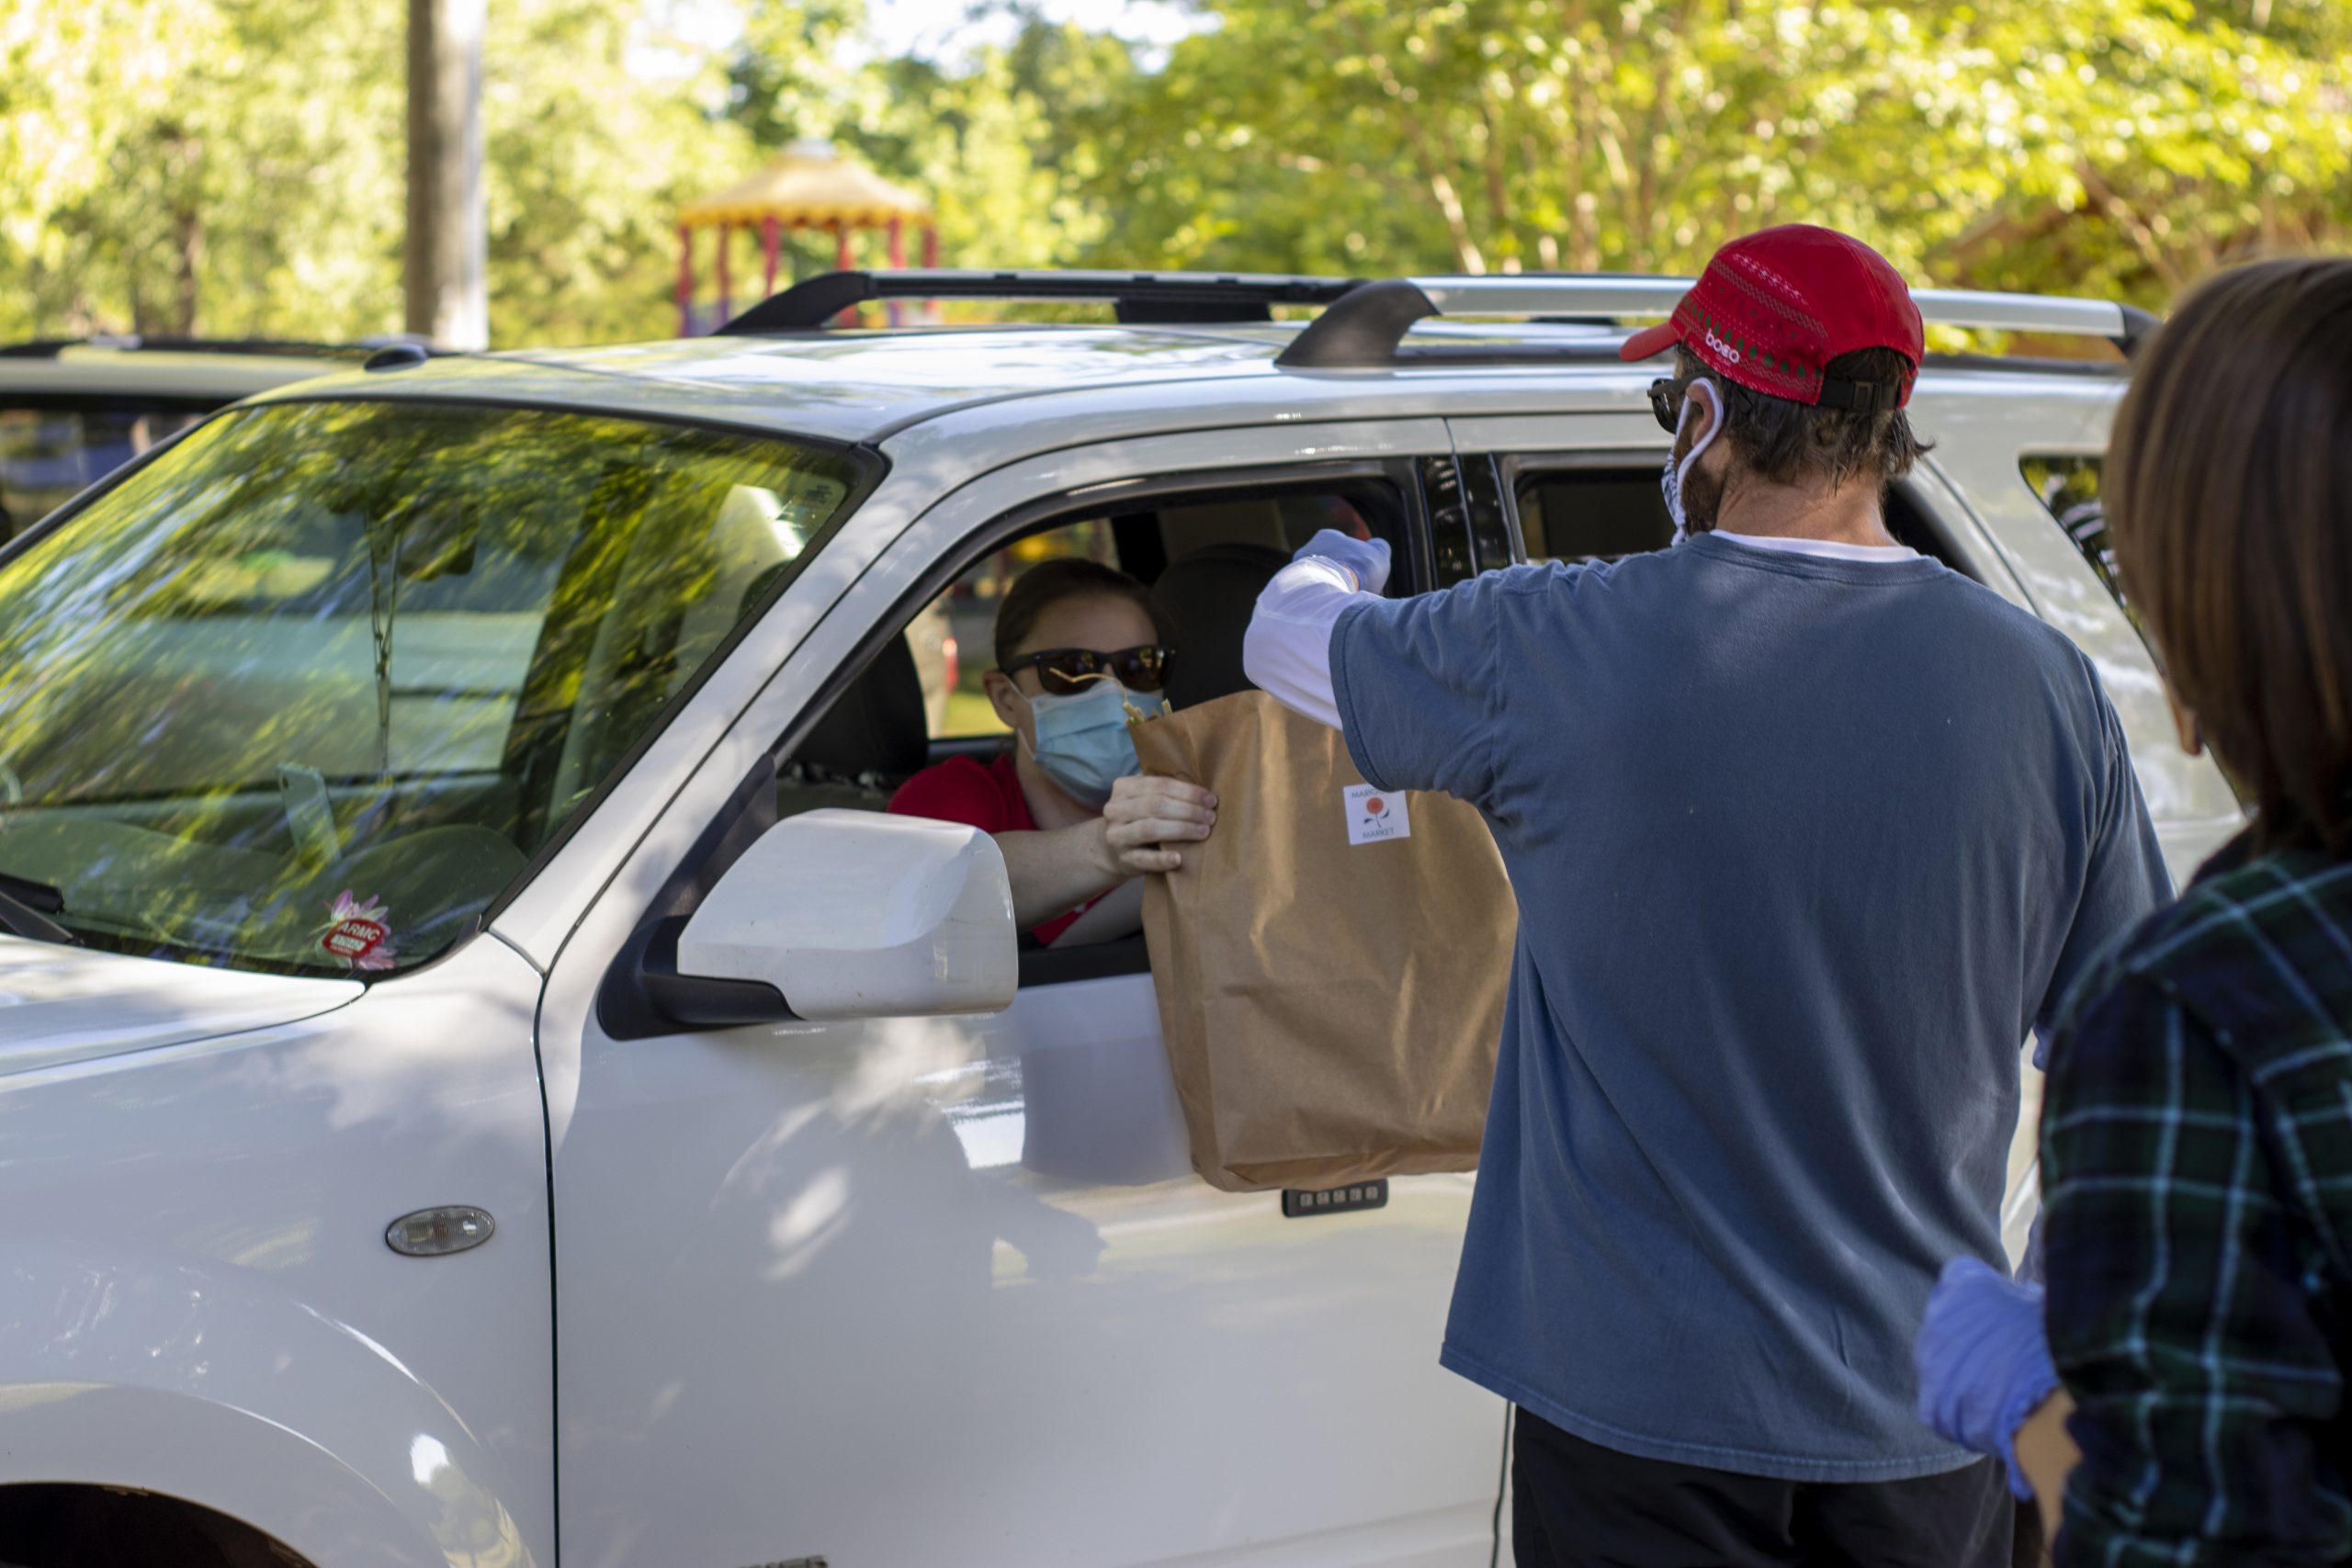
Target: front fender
[(198, 1386), (192, 1247)]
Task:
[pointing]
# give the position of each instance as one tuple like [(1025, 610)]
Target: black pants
[(1576, 1505)]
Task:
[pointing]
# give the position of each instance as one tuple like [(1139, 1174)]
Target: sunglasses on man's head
[(1666, 400), (1067, 670)]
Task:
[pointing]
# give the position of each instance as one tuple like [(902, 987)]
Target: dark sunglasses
[(1666, 400), (1065, 670)]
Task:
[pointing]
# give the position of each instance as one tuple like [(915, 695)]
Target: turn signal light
[(435, 1232)]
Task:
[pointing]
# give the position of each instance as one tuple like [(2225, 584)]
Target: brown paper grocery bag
[(1331, 961)]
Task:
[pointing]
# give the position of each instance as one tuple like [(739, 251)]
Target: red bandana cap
[(1774, 308)]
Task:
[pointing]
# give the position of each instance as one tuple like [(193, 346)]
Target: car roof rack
[(1139, 298), (1366, 329), (291, 348)]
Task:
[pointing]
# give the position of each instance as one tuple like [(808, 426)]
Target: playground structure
[(810, 187)]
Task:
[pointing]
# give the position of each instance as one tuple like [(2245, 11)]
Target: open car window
[(1205, 552), (954, 639), (308, 692)]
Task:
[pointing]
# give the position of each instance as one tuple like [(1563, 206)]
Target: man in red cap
[(1792, 319), (1807, 831)]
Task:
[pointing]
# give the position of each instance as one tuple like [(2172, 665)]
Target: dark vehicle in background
[(71, 411)]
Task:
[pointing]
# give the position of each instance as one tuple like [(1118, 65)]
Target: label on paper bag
[(1374, 814)]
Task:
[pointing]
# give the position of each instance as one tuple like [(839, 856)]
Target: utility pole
[(445, 264)]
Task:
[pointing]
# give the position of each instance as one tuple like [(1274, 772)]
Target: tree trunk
[(1465, 249), (187, 262), (445, 264), (1498, 192), (187, 235)]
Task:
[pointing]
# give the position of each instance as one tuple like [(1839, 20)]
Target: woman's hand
[(1145, 813), (1056, 869), (2047, 1454)]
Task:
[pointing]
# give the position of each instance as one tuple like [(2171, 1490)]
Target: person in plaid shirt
[(2197, 1126)]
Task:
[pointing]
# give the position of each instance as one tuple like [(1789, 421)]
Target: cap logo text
[(1720, 347)]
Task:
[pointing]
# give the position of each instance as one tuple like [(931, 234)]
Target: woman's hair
[(2229, 498), (1049, 583)]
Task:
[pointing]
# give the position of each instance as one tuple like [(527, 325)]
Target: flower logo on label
[(359, 933), (1374, 816)]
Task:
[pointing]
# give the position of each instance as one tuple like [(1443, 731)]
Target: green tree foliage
[(235, 166), (2106, 145), (1004, 141), (176, 162), (588, 164)]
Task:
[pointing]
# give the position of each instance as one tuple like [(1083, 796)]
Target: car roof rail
[(1139, 298), (291, 348), (1366, 329)]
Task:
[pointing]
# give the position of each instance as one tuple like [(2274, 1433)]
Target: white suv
[(459, 1100)]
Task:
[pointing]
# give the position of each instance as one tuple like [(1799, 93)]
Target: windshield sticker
[(1374, 814), (359, 933)]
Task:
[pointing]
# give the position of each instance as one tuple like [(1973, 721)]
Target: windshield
[(309, 690)]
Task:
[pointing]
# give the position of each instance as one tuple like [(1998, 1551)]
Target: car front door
[(913, 1290)]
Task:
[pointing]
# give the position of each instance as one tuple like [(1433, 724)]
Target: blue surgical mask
[(1082, 740), (1670, 481)]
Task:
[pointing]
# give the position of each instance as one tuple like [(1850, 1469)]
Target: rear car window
[(2068, 486), (1592, 515), (309, 690)]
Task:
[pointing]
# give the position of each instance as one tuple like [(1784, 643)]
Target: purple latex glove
[(1984, 1361), (1368, 559)]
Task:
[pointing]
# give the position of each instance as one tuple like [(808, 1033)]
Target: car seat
[(1207, 597), (872, 738)]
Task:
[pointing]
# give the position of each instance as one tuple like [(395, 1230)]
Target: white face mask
[(1671, 482)]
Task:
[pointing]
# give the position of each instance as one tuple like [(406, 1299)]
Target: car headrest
[(877, 726), (1207, 596)]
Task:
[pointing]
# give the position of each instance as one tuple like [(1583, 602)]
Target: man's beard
[(1703, 497)]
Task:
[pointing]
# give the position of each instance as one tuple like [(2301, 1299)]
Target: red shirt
[(986, 796)]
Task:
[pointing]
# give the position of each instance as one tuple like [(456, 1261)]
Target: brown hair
[(2229, 498), (1782, 441), (1049, 583)]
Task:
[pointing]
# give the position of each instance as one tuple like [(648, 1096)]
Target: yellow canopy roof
[(811, 183)]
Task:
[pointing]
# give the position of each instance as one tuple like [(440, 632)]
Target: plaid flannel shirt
[(2196, 1168)]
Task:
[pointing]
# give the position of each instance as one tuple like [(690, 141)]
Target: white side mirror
[(858, 914)]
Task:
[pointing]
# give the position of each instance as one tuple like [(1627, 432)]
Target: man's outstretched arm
[(1287, 651)]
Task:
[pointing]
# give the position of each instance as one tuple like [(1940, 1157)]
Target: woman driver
[(1077, 645)]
